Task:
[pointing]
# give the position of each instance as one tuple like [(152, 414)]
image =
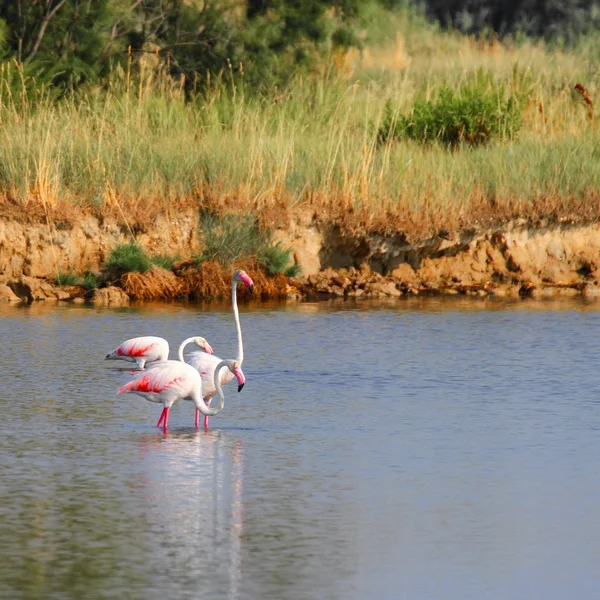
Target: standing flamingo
[(171, 380), (206, 364), (142, 350)]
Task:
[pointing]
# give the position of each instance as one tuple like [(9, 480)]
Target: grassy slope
[(140, 148)]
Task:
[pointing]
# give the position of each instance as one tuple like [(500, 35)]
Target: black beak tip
[(240, 387), (251, 288)]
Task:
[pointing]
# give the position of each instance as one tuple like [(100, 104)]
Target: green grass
[(89, 281), (128, 257), (164, 261), (473, 115), (318, 140), (233, 237), (67, 279)]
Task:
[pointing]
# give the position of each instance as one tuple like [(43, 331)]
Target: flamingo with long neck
[(172, 380), (206, 364), (151, 349)]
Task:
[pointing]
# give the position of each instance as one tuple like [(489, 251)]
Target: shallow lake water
[(419, 450)]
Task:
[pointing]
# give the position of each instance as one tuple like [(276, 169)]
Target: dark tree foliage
[(63, 41), (69, 42), (551, 19)]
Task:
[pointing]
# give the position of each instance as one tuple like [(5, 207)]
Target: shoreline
[(513, 260)]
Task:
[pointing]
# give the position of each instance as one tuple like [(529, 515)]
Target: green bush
[(164, 261), (90, 281), (232, 237), (129, 257), (472, 116), (66, 279)]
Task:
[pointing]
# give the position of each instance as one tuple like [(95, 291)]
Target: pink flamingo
[(205, 364), (142, 350), (171, 380)]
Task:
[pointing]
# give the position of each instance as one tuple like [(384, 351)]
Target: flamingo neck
[(217, 381), (236, 315), (182, 346), (211, 411)]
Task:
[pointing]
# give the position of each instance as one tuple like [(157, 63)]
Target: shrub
[(127, 258), (472, 116), (66, 279), (164, 261), (231, 237), (90, 281), (275, 259)]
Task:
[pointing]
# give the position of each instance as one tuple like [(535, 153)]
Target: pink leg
[(197, 421), (162, 416), (206, 416), (166, 422)]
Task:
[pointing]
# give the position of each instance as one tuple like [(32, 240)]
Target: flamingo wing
[(206, 364), (167, 379), (149, 347)]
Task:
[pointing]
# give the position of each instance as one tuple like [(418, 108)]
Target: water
[(422, 450)]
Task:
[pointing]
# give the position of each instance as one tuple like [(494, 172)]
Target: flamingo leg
[(166, 422), (206, 416), (197, 421), (162, 416)]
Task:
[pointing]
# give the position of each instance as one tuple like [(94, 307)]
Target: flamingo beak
[(208, 348), (239, 375)]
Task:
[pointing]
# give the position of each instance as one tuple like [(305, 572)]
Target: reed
[(137, 146)]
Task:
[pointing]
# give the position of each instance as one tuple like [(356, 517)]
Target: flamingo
[(171, 380), (205, 364), (142, 350)]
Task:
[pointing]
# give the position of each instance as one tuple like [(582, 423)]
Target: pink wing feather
[(138, 347), (158, 379)]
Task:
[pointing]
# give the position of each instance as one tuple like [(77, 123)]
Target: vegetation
[(230, 238), (89, 281), (126, 258), (164, 261), (276, 260), (69, 43), (471, 115), (66, 279), (556, 20), (325, 111)]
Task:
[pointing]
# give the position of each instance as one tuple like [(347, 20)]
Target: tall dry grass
[(138, 146)]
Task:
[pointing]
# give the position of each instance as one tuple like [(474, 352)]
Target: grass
[(229, 238), (164, 261), (472, 116), (67, 279), (138, 148), (127, 258), (89, 281)]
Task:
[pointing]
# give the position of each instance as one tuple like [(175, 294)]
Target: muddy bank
[(515, 260)]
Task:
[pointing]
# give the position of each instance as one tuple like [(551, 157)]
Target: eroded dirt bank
[(516, 260)]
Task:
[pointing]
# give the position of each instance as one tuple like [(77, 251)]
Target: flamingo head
[(242, 276), (202, 343), (235, 367)]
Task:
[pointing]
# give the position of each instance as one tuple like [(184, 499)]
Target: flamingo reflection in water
[(205, 474)]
